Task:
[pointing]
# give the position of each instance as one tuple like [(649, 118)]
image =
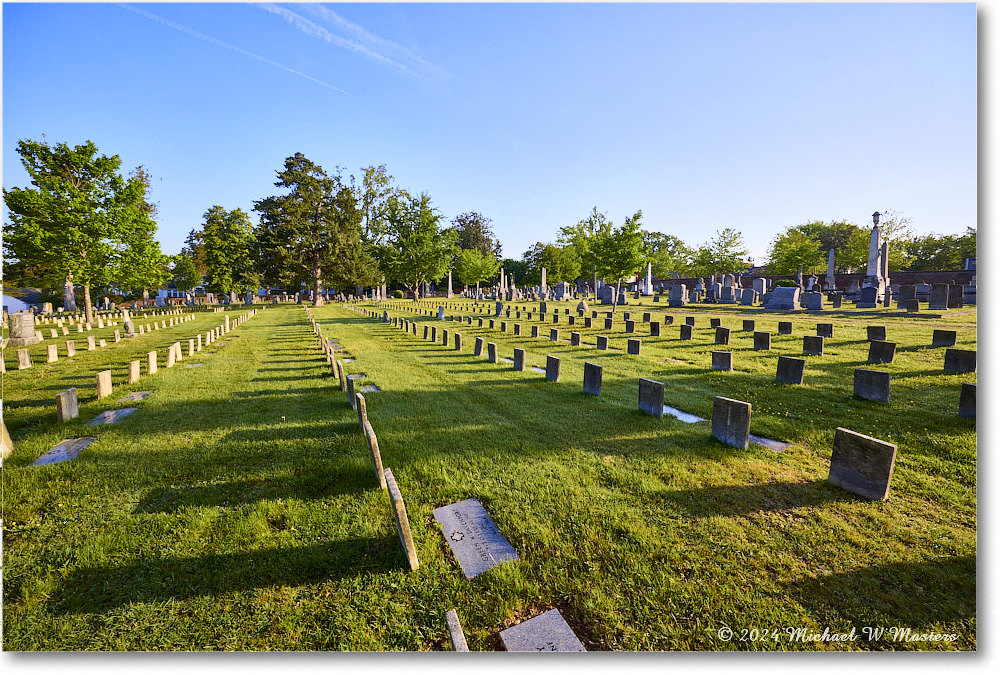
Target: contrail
[(226, 45)]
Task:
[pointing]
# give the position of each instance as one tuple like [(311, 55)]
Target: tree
[(518, 268), (473, 267), (184, 273), (582, 235), (312, 231), (619, 252), (474, 232), (725, 253), (194, 248), (670, 256), (941, 252), (229, 246), (561, 263), (791, 249), (74, 225), (417, 249)]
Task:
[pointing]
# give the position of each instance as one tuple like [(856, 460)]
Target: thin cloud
[(359, 41), (226, 45)]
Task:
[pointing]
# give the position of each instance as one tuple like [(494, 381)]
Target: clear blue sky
[(757, 117)]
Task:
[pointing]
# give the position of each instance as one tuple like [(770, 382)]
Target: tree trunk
[(317, 285), (69, 295), (88, 306), (614, 300), (416, 291)]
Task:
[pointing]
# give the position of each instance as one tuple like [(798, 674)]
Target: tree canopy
[(229, 251), (472, 266), (619, 252), (561, 263), (475, 232), (417, 249)]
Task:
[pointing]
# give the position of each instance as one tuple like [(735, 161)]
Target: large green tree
[(417, 249), (582, 235), (725, 253), (472, 266), (229, 251), (619, 252), (76, 222), (670, 256), (791, 249), (475, 231), (184, 272), (313, 232), (561, 263)]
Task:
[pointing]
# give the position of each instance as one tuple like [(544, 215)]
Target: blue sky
[(756, 117)]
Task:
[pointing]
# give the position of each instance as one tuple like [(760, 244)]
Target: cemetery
[(349, 477)]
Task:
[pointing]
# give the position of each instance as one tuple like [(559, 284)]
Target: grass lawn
[(238, 509)]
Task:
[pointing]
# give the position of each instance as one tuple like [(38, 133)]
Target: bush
[(397, 294), (785, 282)]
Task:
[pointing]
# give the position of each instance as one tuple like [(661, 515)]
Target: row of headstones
[(52, 351), (549, 631), (67, 402)]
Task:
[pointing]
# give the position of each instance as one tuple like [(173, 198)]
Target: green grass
[(238, 509)]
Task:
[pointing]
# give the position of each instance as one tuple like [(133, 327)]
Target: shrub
[(397, 294)]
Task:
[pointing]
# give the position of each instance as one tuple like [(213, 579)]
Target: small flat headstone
[(135, 396), (195, 365), (474, 538), (722, 360), (862, 464), (685, 417), (547, 632), (790, 370), (592, 376), (812, 345), (777, 446), (458, 642), (880, 351), (871, 384), (944, 338), (651, 397), (111, 416), (368, 388), (538, 370), (64, 451), (731, 421)]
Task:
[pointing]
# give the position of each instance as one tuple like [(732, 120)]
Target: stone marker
[(686, 331), (609, 324), (944, 338), (812, 345), (592, 376), (784, 328), (574, 339), (790, 370), (554, 334), (67, 405), (824, 330), (731, 422), (880, 351), (547, 632), (362, 407), (374, 453), (135, 396), (871, 384), (654, 329), (402, 522), (458, 642), (761, 340), (749, 325), (689, 321), (518, 359), (64, 451), (103, 383), (861, 464), (350, 392), (474, 538), (151, 363), (171, 356), (191, 347), (634, 346), (517, 329), (714, 323), (721, 335), (602, 341), (491, 352), (111, 416), (534, 331), (458, 342), (722, 360), (651, 397), (630, 326), (959, 360), (876, 333), (339, 368), (52, 353), (967, 401), (553, 366), (427, 330), (478, 351), (91, 343)]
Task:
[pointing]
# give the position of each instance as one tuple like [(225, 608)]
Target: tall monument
[(831, 280)]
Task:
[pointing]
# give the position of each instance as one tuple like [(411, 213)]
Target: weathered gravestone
[(111, 416), (361, 406), (714, 323), (731, 422), (875, 332), (547, 632), (939, 297), (721, 335), (812, 345), (722, 360), (91, 343), (761, 340), (686, 331), (784, 328), (783, 297), (458, 642), (67, 405), (749, 325), (554, 334), (824, 330), (374, 453), (64, 451), (871, 384), (534, 331), (458, 342), (135, 396), (634, 346), (651, 397), (592, 376), (602, 341), (478, 350), (861, 464), (474, 538), (427, 330), (609, 324), (350, 390), (52, 353), (22, 330), (103, 383), (880, 351), (553, 366), (402, 522), (967, 401), (654, 329), (944, 338), (689, 321), (812, 301), (151, 363), (960, 360), (518, 358), (574, 339), (588, 322)]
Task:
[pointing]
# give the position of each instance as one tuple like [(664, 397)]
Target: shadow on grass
[(945, 587), (100, 589), (741, 500)]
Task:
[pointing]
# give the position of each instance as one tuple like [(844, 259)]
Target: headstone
[(534, 331), (967, 401), (23, 359), (602, 341), (880, 351), (871, 384), (731, 422), (761, 340), (592, 376), (547, 632), (651, 397), (517, 329), (749, 325), (784, 328), (678, 296), (554, 334), (783, 297), (955, 296), (374, 453), (861, 464), (686, 331), (341, 375), (491, 352), (67, 405), (944, 338), (722, 360), (518, 358), (812, 345), (634, 346), (960, 360), (133, 371), (553, 366), (458, 642), (458, 342), (689, 320), (474, 538), (111, 416), (875, 332), (721, 335), (135, 396), (812, 301), (22, 330), (824, 330), (91, 343), (654, 329), (478, 351), (64, 451), (790, 370), (52, 353), (350, 391), (939, 297), (103, 383), (402, 522)]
